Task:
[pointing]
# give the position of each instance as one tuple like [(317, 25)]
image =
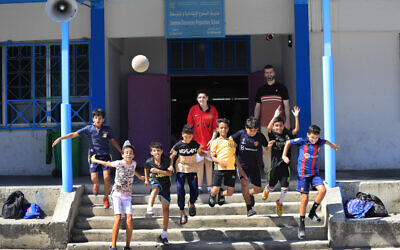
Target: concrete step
[(203, 198), (211, 234), (201, 245), (202, 209), (107, 222)]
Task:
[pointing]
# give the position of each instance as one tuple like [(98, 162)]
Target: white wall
[(266, 52), (29, 22)]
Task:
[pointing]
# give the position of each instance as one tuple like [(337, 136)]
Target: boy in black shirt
[(279, 171), (160, 180)]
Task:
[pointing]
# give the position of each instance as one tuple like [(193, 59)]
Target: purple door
[(148, 113), (256, 79)]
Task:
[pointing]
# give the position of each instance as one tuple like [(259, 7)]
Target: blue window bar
[(31, 85)]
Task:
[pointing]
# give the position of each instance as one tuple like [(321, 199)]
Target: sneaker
[(105, 202), (95, 189), (163, 240), (127, 248), (252, 201), (113, 248), (200, 190), (149, 211), (209, 189), (265, 194), (302, 232), (220, 198), (314, 218), (251, 212), (279, 208), (212, 201)]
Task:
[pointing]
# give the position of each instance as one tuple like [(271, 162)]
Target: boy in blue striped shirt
[(308, 172)]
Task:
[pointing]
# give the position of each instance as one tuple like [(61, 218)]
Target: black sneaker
[(252, 201), (127, 248), (251, 212), (302, 232), (220, 198), (314, 218), (212, 200)]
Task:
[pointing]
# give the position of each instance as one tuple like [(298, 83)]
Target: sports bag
[(356, 208), (378, 209), (13, 206), (32, 211)]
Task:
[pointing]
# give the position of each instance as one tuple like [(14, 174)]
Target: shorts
[(200, 158), (164, 192), (280, 173), (122, 203), (303, 184), (254, 176), (95, 167), (229, 177)]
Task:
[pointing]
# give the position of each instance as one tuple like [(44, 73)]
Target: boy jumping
[(308, 173), (98, 135)]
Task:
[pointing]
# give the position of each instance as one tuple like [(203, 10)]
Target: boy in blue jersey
[(99, 137), (307, 172), (249, 143)]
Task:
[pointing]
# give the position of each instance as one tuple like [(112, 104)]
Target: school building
[(152, 106)]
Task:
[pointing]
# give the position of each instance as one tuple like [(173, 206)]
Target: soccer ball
[(140, 63)]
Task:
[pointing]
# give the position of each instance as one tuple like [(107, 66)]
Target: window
[(31, 85), (225, 55)]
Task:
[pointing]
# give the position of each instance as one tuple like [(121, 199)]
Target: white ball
[(140, 63)]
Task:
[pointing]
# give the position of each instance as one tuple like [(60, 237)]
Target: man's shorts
[(164, 189), (95, 167), (122, 203), (229, 177), (254, 176), (281, 173), (303, 184)]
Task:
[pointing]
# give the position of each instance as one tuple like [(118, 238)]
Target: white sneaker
[(149, 211)]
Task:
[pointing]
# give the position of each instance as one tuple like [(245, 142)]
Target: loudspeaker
[(61, 10)]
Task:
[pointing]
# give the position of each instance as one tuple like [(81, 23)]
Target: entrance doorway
[(228, 94)]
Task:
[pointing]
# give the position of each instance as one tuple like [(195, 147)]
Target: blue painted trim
[(98, 58), (300, 1), (302, 43), (21, 1)]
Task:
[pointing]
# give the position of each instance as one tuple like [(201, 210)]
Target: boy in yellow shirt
[(222, 151)]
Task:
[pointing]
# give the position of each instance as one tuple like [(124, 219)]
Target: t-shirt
[(123, 176), (224, 148), (308, 156), (270, 97), (98, 139), (204, 123), (186, 162), (248, 148), (279, 145), (164, 165)]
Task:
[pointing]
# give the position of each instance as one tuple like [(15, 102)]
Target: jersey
[(187, 152), (204, 123), (278, 146), (98, 139), (308, 156), (248, 147), (224, 149), (270, 97), (164, 165), (123, 176)]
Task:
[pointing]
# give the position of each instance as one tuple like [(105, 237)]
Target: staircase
[(221, 227)]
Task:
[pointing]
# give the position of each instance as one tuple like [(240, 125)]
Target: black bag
[(378, 209), (13, 206)]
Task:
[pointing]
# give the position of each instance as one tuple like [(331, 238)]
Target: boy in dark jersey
[(186, 168), (160, 180), (249, 144), (279, 171), (307, 172)]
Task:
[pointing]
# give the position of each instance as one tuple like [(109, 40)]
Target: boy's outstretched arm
[(141, 177), (332, 145), (172, 155), (271, 123), (104, 163), (116, 145), (295, 112), (68, 136), (285, 151), (146, 176)]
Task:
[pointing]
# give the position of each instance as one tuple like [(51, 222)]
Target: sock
[(248, 207), (314, 208), (200, 188), (283, 195), (209, 189), (302, 220), (164, 234)]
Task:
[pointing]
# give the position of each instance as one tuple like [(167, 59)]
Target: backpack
[(378, 209), (13, 206), (32, 211), (356, 208)]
